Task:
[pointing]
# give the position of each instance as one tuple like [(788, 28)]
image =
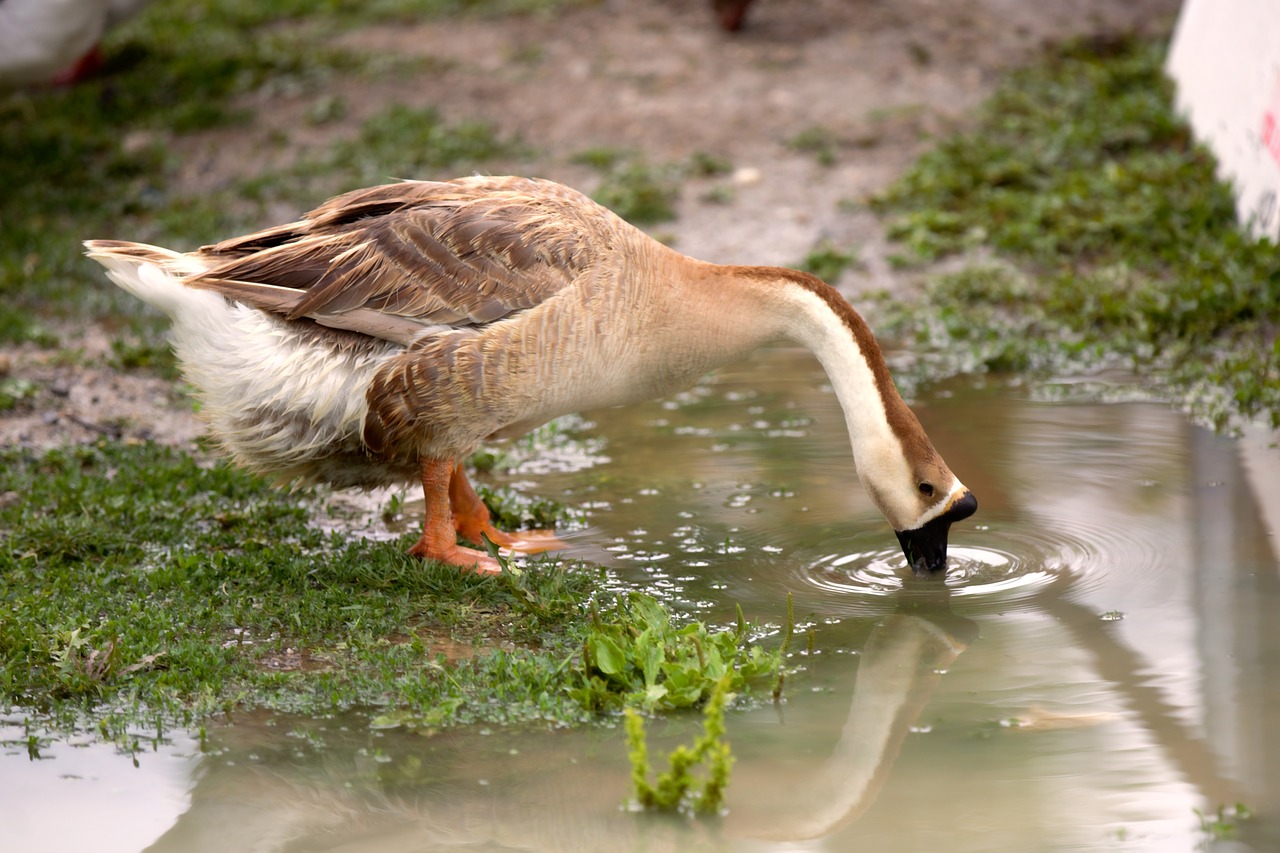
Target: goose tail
[(155, 276)]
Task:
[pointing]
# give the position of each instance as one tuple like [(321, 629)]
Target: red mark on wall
[(1270, 132)]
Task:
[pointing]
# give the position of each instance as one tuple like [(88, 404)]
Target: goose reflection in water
[(901, 665), (334, 784), (551, 795)]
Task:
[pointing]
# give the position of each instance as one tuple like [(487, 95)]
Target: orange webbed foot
[(468, 559), (439, 540), (472, 522), (519, 542)]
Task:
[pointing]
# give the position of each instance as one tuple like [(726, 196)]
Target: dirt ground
[(658, 78)]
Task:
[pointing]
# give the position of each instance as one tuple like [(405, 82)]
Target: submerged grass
[(1115, 245), (677, 789), (136, 584)]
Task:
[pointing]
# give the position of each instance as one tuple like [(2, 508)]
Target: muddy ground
[(659, 78)]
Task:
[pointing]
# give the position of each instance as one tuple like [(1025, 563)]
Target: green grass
[(827, 262), (92, 158), (16, 391), (646, 194), (820, 142), (636, 656), (396, 142), (137, 584), (1115, 245), (640, 193), (1222, 824)]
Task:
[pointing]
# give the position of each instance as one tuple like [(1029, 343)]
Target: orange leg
[(439, 541), (471, 519)]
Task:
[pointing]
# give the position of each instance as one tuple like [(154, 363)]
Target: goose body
[(387, 333)]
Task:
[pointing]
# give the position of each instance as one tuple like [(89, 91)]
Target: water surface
[(1101, 666)]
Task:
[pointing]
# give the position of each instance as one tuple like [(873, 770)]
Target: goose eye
[(926, 489)]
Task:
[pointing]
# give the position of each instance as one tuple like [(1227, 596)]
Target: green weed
[(95, 159), (820, 142), (16, 391), (398, 142), (154, 354), (677, 788), (646, 194), (635, 655), (1222, 824), (827, 262), (788, 632), (602, 158), (640, 193)]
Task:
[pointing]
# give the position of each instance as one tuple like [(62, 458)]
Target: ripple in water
[(995, 575), (995, 567)]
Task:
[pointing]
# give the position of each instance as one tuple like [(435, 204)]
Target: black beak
[(926, 546)]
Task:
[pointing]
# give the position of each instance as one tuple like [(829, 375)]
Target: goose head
[(924, 543), (913, 488)]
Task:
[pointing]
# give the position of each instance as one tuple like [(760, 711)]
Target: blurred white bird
[(56, 41)]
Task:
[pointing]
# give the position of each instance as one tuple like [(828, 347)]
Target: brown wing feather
[(464, 252)]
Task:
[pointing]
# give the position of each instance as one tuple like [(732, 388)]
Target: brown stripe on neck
[(901, 419)]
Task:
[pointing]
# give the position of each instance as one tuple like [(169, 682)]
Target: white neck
[(877, 450), (892, 454)]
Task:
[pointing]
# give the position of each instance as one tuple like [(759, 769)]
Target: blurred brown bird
[(732, 13)]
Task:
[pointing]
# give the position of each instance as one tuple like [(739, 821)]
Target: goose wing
[(399, 260)]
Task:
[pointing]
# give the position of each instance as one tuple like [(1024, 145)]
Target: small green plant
[(17, 326), (135, 353), (397, 142), (827, 262), (640, 193), (15, 391), (1224, 823), (636, 656), (703, 164), (414, 140), (787, 633), (513, 510), (646, 194), (601, 158), (677, 789), (821, 142), (719, 194)]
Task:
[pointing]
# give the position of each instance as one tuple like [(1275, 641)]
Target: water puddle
[(1100, 669)]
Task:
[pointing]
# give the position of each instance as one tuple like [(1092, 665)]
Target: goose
[(387, 333)]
